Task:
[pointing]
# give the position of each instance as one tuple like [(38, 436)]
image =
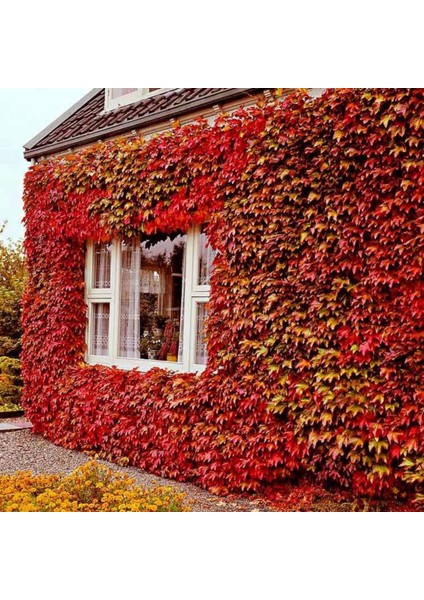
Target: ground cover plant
[(90, 488), (315, 334)]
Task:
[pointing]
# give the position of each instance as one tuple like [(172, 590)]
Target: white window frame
[(199, 294), (193, 294), (125, 99)]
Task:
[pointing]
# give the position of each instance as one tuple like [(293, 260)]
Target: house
[(235, 300), (161, 295)]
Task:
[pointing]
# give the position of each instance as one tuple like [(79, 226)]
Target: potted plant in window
[(143, 346), (149, 346), (154, 345), (160, 321)]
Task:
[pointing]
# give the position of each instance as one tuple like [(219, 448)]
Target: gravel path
[(25, 451)]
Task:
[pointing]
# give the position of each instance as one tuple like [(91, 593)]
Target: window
[(116, 97), (148, 301), (119, 92)]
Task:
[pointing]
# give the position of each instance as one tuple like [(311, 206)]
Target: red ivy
[(316, 337)]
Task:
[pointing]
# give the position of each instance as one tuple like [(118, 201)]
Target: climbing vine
[(315, 334)]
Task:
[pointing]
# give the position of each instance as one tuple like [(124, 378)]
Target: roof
[(87, 121)]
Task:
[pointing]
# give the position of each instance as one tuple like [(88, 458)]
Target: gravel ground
[(25, 451)]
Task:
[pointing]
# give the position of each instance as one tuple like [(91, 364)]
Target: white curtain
[(206, 258), (201, 351), (129, 337), (100, 335), (151, 281), (102, 266)]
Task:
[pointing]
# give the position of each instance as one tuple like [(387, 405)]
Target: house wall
[(315, 339)]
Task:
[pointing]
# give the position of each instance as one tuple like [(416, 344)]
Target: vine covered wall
[(316, 327)]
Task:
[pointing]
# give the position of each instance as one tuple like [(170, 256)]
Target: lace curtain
[(201, 349), (206, 257), (102, 262), (129, 337), (100, 334)]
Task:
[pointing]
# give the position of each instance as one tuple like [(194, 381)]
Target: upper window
[(148, 301), (116, 97)]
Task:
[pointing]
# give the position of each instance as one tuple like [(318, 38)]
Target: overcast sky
[(23, 114)]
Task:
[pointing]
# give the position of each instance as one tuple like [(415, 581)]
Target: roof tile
[(92, 118)]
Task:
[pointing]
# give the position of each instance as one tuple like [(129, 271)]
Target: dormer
[(117, 97)]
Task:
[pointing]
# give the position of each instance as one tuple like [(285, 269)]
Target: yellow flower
[(90, 488)]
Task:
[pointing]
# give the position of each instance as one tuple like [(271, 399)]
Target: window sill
[(126, 364)]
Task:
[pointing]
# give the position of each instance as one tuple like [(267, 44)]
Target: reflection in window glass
[(201, 349), (102, 262), (206, 256), (100, 329), (152, 298)]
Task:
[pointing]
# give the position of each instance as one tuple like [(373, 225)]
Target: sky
[(23, 114)]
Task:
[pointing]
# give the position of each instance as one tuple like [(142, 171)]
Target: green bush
[(9, 346), (12, 281), (11, 367), (10, 383)]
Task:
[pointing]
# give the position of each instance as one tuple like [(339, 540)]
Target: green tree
[(12, 282)]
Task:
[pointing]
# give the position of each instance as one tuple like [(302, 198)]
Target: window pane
[(206, 256), (102, 261), (118, 92), (100, 329), (152, 298), (201, 351), (129, 338)]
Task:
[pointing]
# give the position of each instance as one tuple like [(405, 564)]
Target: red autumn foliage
[(316, 337)]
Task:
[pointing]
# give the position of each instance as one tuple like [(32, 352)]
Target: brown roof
[(87, 120)]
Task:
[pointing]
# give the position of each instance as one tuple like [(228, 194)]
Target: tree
[(12, 282)]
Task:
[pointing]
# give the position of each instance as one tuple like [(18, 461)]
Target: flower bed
[(90, 488)]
